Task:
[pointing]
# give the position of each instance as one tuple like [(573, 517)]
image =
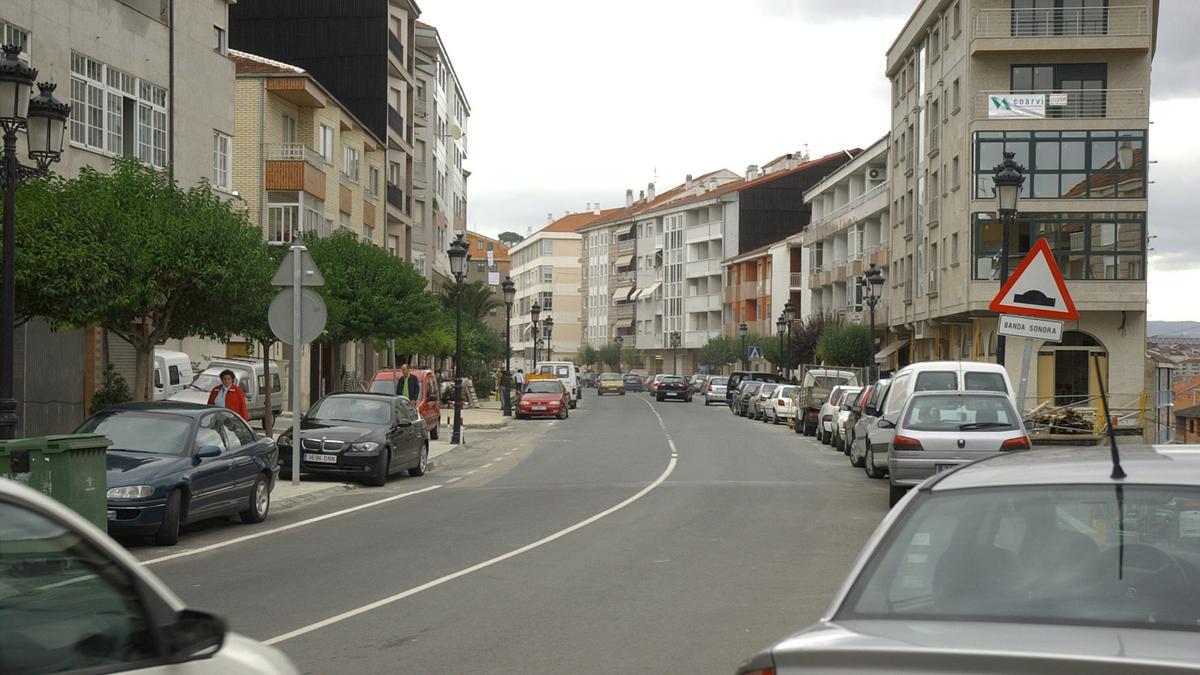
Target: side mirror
[(845, 408), (208, 452), (885, 423), (870, 411), (195, 635), (403, 423)]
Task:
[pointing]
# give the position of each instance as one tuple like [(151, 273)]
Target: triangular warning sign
[(309, 274), (1036, 288)]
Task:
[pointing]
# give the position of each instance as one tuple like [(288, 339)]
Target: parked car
[(928, 376), (251, 377), (610, 383), (745, 398), (738, 376), (75, 600), (545, 397), (1032, 562), (816, 385), (714, 390), (779, 407), (565, 371), (698, 382), (367, 436), (652, 385), (427, 400), (842, 417), (172, 373), (633, 382), (936, 431), (869, 410), (588, 379), (855, 411), (673, 386), (173, 463), (828, 410), (758, 403), (447, 395)]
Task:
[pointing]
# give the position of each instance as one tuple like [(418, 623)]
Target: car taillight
[(906, 443), (782, 402), (1021, 443), (710, 387)]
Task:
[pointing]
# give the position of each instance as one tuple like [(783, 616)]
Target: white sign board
[(1029, 327), (1002, 106), (493, 278), (491, 258), (1056, 100)]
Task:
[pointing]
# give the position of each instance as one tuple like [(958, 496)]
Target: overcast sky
[(573, 103)]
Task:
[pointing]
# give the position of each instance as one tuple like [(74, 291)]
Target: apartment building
[(362, 50), (849, 232), (490, 263), (440, 114), (145, 79), (749, 293), (1065, 86)]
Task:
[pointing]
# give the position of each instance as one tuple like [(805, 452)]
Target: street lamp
[(781, 326), (44, 119), (547, 332), (1008, 177), (675, 341), (458, 267), (789, 315), (742, 330), (619, 341), (534, 313), (872, 282), (510, 293)]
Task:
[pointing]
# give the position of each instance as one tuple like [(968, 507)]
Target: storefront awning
[(622, 293), (624, 260), (883, 354), (637, 294), (624, 323), (649, 292)]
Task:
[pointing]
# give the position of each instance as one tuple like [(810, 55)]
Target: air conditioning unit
[(876, 174)]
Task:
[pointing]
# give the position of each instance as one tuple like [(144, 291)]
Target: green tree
[(478, 299), (719, 351), (510, 239), (845, 345), (588, 356), (135, 253), (802, 343), (610, 356), (248, 318)]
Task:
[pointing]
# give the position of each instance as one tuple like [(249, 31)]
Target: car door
[(213, 475), (411, 437), (244, 449)]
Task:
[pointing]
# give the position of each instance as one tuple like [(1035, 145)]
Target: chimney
[(641, 195), (687, 182), (596, 209), (650, 191), (549, 218), (751, 172), (628, 198), (790, 161), (712, 184)]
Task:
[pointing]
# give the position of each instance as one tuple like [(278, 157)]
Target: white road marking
[(487, 563), (471, 472), (487, 465), (454, 480), (292, 526)]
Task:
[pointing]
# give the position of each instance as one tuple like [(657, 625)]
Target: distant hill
[(1174, 328)]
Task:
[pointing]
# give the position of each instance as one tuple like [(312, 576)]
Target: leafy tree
[(719, 351), (588, 356), (802, 341), (135, 253), (845, 345), (510, 239), (248, 318), (478, 299), (610, 356), (113, 390)]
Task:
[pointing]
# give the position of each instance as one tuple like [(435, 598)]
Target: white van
[(568, 373), (250, 378), (172, 373)]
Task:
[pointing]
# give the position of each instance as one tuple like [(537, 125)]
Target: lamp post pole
[(780, 329), (458, 266), (619, 341), (44, 120), (873, 281), (535, 312), (1008, 178), (789, 315), (547, 332), (742, 330), (510, 291), (675, 340)]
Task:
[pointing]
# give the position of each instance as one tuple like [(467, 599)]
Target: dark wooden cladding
[(776, 209)]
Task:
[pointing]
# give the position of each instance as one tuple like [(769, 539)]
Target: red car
[(386, 381), (543, 397)]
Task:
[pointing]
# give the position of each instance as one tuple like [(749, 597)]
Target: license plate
[(938, 468), (672, 393), (320, 459), (539, 407)]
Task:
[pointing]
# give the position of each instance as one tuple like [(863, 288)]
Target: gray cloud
[(520, 210), (826, 11), (1176, 59)]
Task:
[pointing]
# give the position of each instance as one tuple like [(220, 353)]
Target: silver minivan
[(251, 378)]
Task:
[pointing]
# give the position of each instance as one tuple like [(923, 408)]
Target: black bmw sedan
[(366, 436)]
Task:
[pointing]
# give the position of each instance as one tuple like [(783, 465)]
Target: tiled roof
[(751, 254), (245, 62), (573, 221)]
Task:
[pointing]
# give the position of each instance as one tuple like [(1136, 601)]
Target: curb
[(311, 496)]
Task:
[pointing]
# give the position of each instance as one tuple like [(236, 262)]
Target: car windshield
[(544, 387), (385, 386), (207, 380), (609, 377), (959, 413), (152, 433), (719, 381), (352, 409), (984, 382), (1095, 555)]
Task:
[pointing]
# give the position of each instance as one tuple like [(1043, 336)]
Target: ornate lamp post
[(534, 313), (675, 342), (872, 281), (781, 326), (547, 332), (619, 341), (458, 267), (742, 330), (789, 315), (510, 294), (44, 119), (1008, 178)]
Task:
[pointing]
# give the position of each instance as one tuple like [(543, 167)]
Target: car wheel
[(433, 433), (869, 464), (260, 501), (856, 460), (622, 393), (379, 478), (846, 444), (562, 413), (658, 398), (168, 532), (896, 493), (573, 404), (422, 462)]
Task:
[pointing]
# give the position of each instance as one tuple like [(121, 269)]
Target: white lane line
[(471, 472), (487, 563), (292, 526), (487, 465), (454, 480)]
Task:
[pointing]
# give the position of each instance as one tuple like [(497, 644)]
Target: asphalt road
[(608, 542)]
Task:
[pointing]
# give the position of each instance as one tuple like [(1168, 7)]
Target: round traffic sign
[(312, 316)]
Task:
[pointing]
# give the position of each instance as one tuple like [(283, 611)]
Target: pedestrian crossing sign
[(754, 353)]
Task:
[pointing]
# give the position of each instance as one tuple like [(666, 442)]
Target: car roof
[(1143, 465), (952, 365), (361, 394), (175, 407)]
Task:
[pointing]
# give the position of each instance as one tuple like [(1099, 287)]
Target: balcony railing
[(421, 106), (396, 47), (1062, 22), (853, 203), (626, 245), (1075, 104), (420, 174), (295, 152), (395, 197), (796, 280), (396, 122)]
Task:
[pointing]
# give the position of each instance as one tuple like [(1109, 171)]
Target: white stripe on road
[(292, 526), (487, 563), (454, 480)]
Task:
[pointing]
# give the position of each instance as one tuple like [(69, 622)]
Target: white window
[(326, 139), (344, 220), (289, 128), (369, 233), (103, 97), (547, 247), (283, 218), (350, 163), (373, 182), (13, 35), (222, 152), (219, 45), (547, 274)]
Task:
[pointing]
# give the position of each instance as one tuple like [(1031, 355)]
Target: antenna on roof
[(1117, 472)]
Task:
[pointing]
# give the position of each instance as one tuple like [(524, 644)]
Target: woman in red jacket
[(229, 395)]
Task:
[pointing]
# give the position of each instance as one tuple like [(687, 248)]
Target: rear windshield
[(609, 377), (544, 387), (984, 382), (784, 392), (719, 380), (936, 380), (959, 413), (767, 389), (675, 379)]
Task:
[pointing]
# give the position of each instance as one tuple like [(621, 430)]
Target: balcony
[(395, 197), (856, 210), (1119, 27), (624, 310), (284, 152), (396, 123), (294, 167), (707, 302), (705, 232), (626, 245), (420, 109), (1074, 104), (795, 281), (702, 268), (396, 47)]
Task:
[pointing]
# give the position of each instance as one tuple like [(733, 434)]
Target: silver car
[(714, 391), (1031, 562), (781, 406), (872, 408), (759, 402), (938, 430)]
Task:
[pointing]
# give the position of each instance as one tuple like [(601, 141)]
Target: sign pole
[(1024, 375), (297, 346)]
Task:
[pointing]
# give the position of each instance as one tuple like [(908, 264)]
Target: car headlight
[(130, 492), (369, 446)]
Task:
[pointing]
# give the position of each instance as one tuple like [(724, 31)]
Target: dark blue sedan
[(175, 463)]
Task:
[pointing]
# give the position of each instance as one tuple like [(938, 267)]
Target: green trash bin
[(68, 467)]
